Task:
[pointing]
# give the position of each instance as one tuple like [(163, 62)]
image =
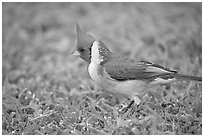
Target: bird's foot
[(125, 109), (134, 104)]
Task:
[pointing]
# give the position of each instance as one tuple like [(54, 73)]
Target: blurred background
[(40, 75), (39, 37)]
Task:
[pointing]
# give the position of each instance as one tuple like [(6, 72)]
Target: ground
[(48, 91)]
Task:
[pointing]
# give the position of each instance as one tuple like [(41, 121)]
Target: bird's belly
[(131, 87), (128, 88)]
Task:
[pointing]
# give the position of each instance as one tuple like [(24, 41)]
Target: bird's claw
[(125, 109)]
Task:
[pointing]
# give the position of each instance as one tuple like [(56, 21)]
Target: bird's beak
[(76, 53)]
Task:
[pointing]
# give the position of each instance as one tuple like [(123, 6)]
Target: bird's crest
[(83, 40)]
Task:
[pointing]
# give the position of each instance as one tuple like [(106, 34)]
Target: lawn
[(46, 90)]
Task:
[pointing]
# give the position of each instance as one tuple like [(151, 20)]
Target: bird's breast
[(96, 73), (100, 77)]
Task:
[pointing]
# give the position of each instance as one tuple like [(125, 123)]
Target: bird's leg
[(125, 109), (130, 105), (133, 108), (136, 100)]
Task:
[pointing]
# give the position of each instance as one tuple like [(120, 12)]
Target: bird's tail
[(187, 77)]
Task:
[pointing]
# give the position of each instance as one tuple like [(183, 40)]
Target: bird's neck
[(99, 53)]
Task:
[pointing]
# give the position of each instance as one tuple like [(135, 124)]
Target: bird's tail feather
[(187, 77)]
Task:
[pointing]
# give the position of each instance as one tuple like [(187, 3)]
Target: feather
[(123, 68)]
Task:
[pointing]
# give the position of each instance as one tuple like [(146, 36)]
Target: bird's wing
[(122, 68)]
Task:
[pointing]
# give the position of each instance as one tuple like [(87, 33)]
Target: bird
[(120, 74)]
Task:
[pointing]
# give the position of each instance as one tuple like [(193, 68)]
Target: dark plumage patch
[(122, 68)]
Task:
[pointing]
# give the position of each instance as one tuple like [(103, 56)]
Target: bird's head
[(84, 44)]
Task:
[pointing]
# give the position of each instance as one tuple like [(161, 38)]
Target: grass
[(47, 91)]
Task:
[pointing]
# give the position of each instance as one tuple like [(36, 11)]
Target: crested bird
[(119, 74)]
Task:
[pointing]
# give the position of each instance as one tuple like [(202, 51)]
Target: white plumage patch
[(156, 69), (93, 72), (95, 54), (94, 68), (159, 81)]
